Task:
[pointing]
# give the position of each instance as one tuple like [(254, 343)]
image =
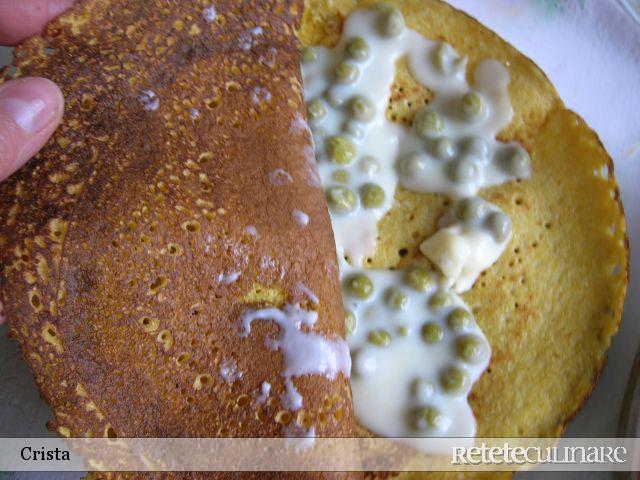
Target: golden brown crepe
[(134, 241), (551, 304)]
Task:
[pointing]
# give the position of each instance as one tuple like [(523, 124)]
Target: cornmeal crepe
[(552, 302), (140, 246)]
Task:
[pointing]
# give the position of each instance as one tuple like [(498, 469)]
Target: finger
[(21, 19), (30, 111)]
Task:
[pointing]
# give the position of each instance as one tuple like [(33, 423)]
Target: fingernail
[(32, 103)]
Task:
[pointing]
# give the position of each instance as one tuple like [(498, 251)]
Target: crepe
[(161, 212), (551, 304)]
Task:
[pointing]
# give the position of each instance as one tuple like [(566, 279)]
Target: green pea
[(412, 164), (477, 146), (427, 123), (459, 319), (308, 55), (341, 149), (350, 322), (381, 337), (372, 195), (440, 300), (443, 148), (500, 225), (470, 348), (440, 54), (359, 285), (342, 176), (452, 379), (419, 279), (471, 208), (427, 418), (362, 109), (358, 49), (444, 52), (517, 162), (341, 199), (431, 332), (472, 105), (462, 170), (316, 110), (397, 299), (403, 330), (346, 72), (391, 23), (334, 99)]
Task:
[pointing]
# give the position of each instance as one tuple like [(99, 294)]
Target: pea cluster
[(462, 159), (445, 322), (474, 211), (341, 149)]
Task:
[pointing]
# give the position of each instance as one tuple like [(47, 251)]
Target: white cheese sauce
[(300, 217), (251, 230), (228, 278), (149, 100), (291, 398), (305, 352), (416, 348), (405, 343), (298, 438), (280, 177), (229, 371), (209, 13), (265, 391), (301, 290), (356, 145)]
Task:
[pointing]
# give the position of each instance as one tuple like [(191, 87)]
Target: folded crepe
[(157, 271)]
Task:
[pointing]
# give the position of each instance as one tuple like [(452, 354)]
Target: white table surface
[(590, 49)]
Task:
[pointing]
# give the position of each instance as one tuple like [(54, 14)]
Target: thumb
[(30, 111)]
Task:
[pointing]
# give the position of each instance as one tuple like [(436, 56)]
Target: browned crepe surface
[(113, 238)]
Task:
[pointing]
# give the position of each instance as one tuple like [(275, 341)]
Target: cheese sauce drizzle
[(415, 345)]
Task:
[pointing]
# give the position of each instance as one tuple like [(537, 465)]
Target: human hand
[(30, 108)]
